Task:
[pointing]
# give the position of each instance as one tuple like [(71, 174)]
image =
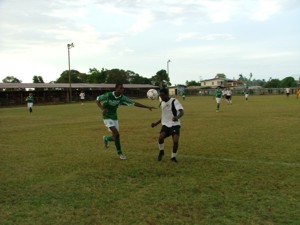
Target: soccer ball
[(152, 94)]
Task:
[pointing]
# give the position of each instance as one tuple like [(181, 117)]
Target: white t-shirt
[(167, 114), (82, 95)]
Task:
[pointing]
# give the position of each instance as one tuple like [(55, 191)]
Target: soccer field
[(238, 166)]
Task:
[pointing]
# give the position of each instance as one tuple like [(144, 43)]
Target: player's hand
[(104, 111), (175, 118), (150, 108), (153, 125)]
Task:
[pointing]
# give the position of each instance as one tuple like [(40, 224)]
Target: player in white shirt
[(172, 110), (82, 97)]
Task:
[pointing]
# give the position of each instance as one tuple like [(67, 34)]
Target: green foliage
[(117, 76), (238, 166), (38, 79), (161, 79), (137, 79), (11, 79), (288, 82), (97, 77), (76, 77), (273, 83), (192, 83)]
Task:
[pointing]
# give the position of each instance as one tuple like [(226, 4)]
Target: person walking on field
[(82, 97), (29, 101), (109, 103), (172, 111), (287, 92), (246, 93), (218, 96)]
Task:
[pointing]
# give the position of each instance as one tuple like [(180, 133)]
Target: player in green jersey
[(218, 96), (109, 103), (29, 101)]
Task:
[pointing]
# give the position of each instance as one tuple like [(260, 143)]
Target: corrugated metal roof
[(73, 85)]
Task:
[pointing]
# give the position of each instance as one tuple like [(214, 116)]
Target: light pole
[(70, 88), (168, 67)]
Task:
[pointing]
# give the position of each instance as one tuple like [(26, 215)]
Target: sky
[(201, 38)]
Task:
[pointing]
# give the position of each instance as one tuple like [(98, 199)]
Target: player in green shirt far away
[(29, 101), (109, 103), (218, 95)]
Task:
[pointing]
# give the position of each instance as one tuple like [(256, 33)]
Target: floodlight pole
[(168, 67), (70, 88)]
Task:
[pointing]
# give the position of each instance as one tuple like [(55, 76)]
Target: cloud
[(143, 21), (208, 37)]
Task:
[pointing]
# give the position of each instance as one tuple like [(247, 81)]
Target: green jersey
[(29, 99), (111, 103), (218, 93)]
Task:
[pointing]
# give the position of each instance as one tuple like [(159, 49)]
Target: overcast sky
[(200, 37)]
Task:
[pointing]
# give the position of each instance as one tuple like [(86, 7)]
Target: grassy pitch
[(238, 166)]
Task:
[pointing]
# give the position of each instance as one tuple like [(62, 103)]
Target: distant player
[(109, 103), (29, 101), (218, 96), (228, 94), (298, 93), (287, 92), (172, 111), (246, 93), (82, 97)]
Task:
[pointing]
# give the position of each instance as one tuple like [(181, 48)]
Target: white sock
[(174, 154), (161, 146)]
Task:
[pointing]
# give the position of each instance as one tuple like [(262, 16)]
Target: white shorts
[(29, 104), (111, 123), (218, 100), (246, 95)]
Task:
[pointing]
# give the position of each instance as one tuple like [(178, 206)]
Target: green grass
[(238, 166)]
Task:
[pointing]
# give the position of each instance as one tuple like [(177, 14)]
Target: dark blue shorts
[(170, 130)]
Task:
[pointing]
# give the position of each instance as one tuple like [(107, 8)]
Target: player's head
[(119, 88), (164, 94)]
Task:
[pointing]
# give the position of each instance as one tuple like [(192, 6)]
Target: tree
[(192, 83), (273, 83), (220, 75), (135, 78), (288, 82), (117, 76), (64, 77), (96, 76), (37, 79), (161, 79), (11, 79)]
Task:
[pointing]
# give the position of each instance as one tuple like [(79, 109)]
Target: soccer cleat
[(105, 142), (160, 156), (174, 160), (123, 157)]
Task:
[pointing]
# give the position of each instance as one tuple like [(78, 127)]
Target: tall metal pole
[(168, 67), (70, 87)]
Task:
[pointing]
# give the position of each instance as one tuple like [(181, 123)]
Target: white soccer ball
[(152, 94)]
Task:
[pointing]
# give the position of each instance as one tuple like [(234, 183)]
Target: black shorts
[(170, 130)]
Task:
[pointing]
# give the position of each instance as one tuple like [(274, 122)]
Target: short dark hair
[(164, 90), (118, 85)]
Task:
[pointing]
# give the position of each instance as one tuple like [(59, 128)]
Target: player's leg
[(175, 137), (161, 144), (116, 138)]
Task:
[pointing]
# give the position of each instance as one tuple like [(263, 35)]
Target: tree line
[(95, 76), (161, 78)]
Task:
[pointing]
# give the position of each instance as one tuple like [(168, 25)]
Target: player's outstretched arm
[(143, 106)]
